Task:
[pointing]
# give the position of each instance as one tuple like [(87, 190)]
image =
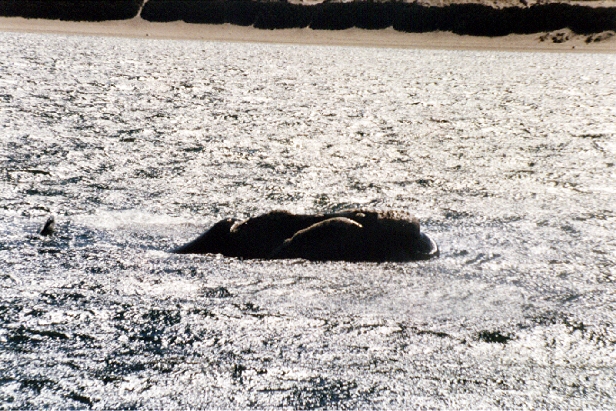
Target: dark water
[(137, 146)]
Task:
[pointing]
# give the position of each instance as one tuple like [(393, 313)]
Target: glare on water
[(137, 146)]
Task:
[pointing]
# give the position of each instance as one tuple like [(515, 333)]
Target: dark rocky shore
[(465, 19), (71, 10)]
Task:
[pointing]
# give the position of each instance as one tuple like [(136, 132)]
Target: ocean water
[(137, 146)]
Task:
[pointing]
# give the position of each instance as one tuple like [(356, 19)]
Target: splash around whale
[(350, 235)]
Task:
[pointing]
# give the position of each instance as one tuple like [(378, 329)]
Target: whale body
[(350, 235)]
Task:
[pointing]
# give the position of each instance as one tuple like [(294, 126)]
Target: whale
[(350, 235)]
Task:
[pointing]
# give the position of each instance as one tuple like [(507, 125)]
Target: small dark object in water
[(50, 227), (494, 337), (351, 235)]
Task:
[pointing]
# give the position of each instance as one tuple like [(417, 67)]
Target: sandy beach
[(138, 27)]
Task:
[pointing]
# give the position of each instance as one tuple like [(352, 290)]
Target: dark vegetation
[(71, 10), (469, 19)]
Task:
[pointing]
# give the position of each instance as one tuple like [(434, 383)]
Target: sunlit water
[(137, 146)]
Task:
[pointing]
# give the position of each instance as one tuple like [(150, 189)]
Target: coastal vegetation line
[(464, 19)]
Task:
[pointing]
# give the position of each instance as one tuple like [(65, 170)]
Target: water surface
[(137, 146)]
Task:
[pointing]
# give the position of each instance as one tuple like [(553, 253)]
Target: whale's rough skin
[(351, 235)]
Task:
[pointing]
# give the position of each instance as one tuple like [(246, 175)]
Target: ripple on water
[(137, 146)]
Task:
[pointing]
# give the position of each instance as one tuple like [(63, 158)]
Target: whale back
[(333, 239), (349, 235), (259, 236), (359, 235)]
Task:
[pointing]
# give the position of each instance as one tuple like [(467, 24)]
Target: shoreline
[(385, 38)]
